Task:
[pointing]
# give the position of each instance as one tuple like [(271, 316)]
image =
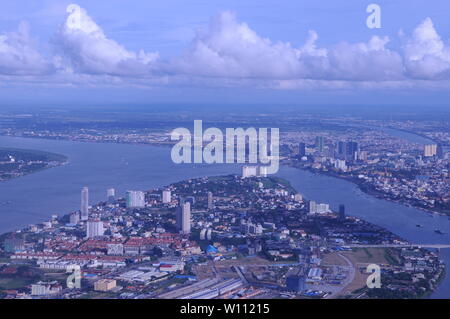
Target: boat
[(418, 225), (437, 231)]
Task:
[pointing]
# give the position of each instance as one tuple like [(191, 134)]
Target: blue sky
[(236, 51)]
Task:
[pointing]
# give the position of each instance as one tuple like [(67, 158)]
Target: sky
[(138, 51)]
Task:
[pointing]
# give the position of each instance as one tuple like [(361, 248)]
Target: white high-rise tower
[(166, 196), (135, 199), (210, 201), (94, 228), (85, 203), (184, 218)]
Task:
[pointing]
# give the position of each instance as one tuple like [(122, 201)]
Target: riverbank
[(369, 189)]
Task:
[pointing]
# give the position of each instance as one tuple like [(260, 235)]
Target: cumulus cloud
[(229, 48), (228, 53), (426, 56), (365, 61), (88, 49), (19, 55)]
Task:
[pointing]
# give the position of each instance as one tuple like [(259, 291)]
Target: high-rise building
[(94, 228), (330, 150), (315, 208), (135, 199), (210, 201), (323, 208), (45, 288), (363, 155), (13, 245), (85, 204), (439, 151), (351, 150), (320, 143), (341, 212), (312, 207), (340, 165), (184, 218), (341, 149), (74, 218), (166, 196), (430, 150), (301, 150), (249, 171), (443, 151), (111, 195)]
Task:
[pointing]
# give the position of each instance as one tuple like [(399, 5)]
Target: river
[(34, 198)]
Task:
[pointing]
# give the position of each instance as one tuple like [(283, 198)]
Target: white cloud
[(365, 61), (19, 55), (83, 42), (228, 48), (426, 56), (227, 53)]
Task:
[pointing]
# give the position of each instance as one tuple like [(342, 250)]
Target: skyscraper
[(301, 150), (85, 203), (210, 201), (111, 195), (94, 228), (249, 171), (166, 196), (319, 143), (184, 218), (312, 207), (341, 149), (430, 150), (135, 199), (74, 218), (352, 149), (342, 212)]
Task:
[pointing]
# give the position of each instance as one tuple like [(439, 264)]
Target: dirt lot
[(360, 258)]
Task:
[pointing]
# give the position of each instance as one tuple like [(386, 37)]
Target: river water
[(34, 198)]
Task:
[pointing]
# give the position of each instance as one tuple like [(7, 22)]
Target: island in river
[(19, 162)]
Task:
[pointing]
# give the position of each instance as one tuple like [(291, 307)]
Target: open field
[(384, 256), (360, 258)]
